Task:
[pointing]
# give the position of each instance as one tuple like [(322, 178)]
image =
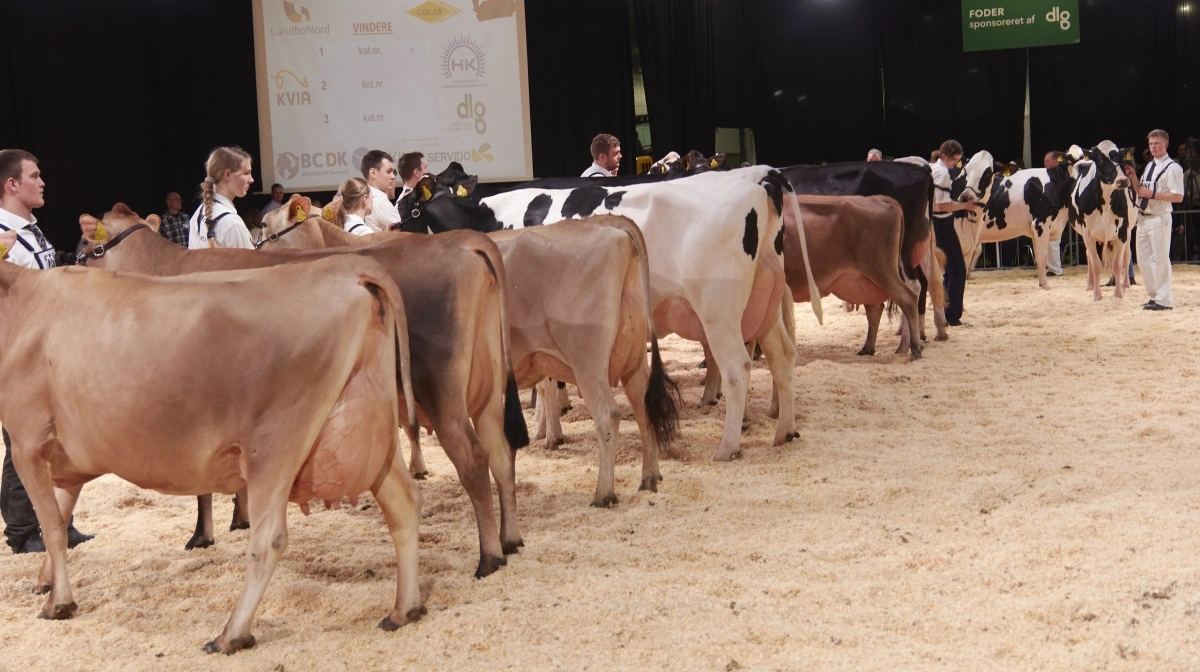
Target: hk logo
[(1063, 19), (463, 59)]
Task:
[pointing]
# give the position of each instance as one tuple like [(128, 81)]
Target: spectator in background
[(276, 199), (174, 225), (874, 155)]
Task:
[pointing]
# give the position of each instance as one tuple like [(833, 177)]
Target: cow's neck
[(334, 236), (9, 275), (147, 252)]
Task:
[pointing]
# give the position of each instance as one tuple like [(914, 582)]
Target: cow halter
[(420, 208), (263, 240), (100, 249)]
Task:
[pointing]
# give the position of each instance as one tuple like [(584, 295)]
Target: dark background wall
[(122, 100)]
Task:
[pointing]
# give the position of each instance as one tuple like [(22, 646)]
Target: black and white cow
[(715, 243), (1104, 215)]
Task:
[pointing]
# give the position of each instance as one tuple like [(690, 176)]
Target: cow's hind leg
[(416, 458), (1041, 252), (780, 352), (471, 460), (400, 502), (548, 414), (712, 378), (598, 397), (874, 313), (241, 511), (635, 385), (489, 426), (203, 536), (729, 354)]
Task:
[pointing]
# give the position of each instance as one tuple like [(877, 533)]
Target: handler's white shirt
[(42, 255), (383, 212), (941, 185), (1168, 178), (231, 231), (596, 170), (355, 224)]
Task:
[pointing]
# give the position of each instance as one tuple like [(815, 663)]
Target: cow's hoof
[(236, 644), (41, 588), (650, 483), (942, 337), (60, 612), (198, 541), (866, 353), (488, 565), (792, 436), (735, 455), (420, 475), (607, 502), (412, 616), (512, 547), (916, 353), (239, 525)]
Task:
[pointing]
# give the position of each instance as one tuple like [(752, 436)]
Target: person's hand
[(1144, 192), (1129, 172)]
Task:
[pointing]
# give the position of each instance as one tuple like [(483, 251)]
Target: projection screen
[(337, 78)]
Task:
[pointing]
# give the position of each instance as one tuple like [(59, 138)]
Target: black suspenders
[(25, 243)]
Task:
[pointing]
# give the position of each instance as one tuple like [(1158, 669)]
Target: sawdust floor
[(1024, 497)]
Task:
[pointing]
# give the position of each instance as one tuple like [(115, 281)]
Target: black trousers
[(956, 269), (20, 522)]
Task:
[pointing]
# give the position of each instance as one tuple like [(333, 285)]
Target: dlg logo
[(468, 108), (1056, 15)]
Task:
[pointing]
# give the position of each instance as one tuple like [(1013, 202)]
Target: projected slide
[(337, 78)]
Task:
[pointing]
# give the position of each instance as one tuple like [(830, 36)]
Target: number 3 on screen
[(326, 118)]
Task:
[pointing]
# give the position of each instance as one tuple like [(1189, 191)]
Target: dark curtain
[(1134, 70), (676, 43), (936, 92), (122, 101), (580, 82), (812, 77)]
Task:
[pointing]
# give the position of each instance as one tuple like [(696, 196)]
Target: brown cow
[(579, 312), (854, 249), (251, 417), (460, 362)]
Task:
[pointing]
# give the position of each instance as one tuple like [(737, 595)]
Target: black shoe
[(1132, 283), (33, 544), (1112, 282), (75, 537), (1147, 305), (1158, 306)]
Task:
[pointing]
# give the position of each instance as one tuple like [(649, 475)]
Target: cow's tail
[(813, 292), (384, 289), (515, 430), (662, 394)]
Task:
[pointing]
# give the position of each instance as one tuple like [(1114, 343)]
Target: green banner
[(1014, 24)]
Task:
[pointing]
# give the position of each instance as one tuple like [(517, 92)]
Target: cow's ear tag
[(1008, 172), (300, 213), (327, 213), (101, 234), (958, 165), (461, 192), (1129, 156), (425, 192), (1060, 159), (3, 250), (712, 164)]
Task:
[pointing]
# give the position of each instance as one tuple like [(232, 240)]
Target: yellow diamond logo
[(433, 11)]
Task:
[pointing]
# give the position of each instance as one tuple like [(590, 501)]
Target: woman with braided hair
[(352, 205), (216, 222)]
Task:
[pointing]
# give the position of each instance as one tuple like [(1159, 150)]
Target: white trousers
[(1054, 259), (1154, 257)]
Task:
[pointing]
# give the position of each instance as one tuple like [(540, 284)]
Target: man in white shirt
[(606, 156), (1159, 189), (380, 173), (22, 191), (944, 207), (412, 168), (276, 199)]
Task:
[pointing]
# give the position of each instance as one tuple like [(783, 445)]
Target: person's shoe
[(1112, 282), (75, 537), (33, 544), (1147, 305), (1132, 283), (1158, 306)]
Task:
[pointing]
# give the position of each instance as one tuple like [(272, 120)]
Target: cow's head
[(664, 165), (1109, 162), (972, 183), (457, 179), (101, 234), (435, 208), (285, 218)]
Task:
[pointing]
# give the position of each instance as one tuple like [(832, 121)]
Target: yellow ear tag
[(462, 192), (3, 250), (425, 192), (1008, 172), (958, 165), (1129, 156), (300, 213), (1060, 159), (101, 233), (327, 213), (712, 164)]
